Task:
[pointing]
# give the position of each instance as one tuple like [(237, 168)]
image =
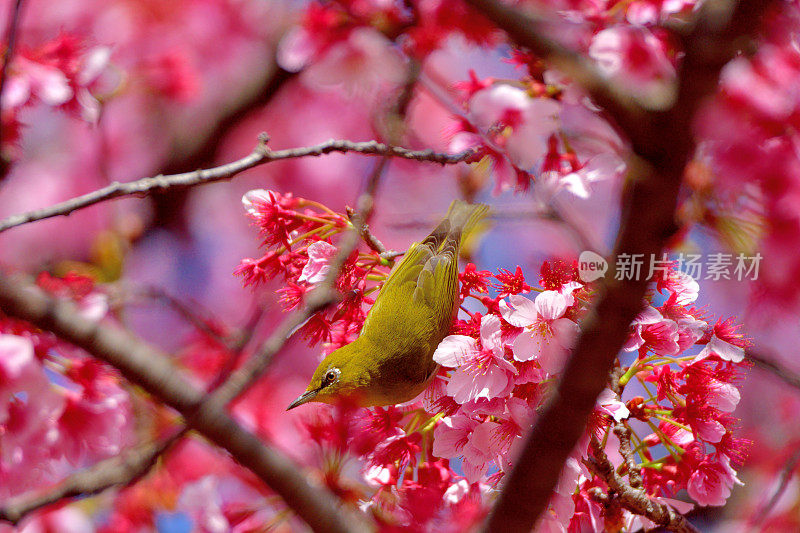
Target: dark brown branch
[(768, 364), (786, 474), (152, 370), (633, 499), (662, 144), (261, 155), (623, 432), (15, 16)]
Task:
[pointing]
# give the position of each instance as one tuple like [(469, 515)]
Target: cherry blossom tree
[(201, 198)]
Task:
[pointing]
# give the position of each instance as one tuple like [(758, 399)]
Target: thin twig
[(260, 155), (134, 464), (768, 364), (14, 19), (372, 241), (786, 474), (633, 499), (187, 311)]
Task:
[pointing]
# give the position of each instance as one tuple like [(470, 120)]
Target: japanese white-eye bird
[(391, 361)]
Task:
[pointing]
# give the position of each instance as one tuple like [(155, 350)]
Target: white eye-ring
[(331, 376)]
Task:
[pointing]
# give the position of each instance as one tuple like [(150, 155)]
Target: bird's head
[(340, 374)]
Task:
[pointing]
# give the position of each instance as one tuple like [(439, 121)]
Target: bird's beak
[(307, 396)]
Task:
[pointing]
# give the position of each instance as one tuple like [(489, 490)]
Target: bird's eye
[(331, 376)]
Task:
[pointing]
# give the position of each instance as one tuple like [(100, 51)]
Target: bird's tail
[(464, 218)]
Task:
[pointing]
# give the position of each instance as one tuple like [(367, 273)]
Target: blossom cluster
[(59, 409), (298, 236), (506, 351), (61, 73)]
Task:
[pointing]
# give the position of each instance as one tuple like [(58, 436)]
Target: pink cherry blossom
[(722, 349), (360, 64), (319, 255), (636, 57), (481, 369), (609, 403), (480, 449), (547, 335), (711, 482), (532, 120), (16, 361)]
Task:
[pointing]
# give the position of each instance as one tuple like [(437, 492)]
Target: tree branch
[(135, 463), (151, 369), (662, 144), (633, 499), (755, 521), (261, 155), (14, 19), (768, 364), (132, 465)]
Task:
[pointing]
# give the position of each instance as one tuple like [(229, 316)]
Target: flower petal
[(454, 350), (521, 312)]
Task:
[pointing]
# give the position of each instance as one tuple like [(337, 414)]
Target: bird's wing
[(426, 282)]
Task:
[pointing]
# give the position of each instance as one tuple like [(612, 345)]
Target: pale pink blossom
[(320, 254), (637, 58), (532, 120), (723, 396), (251, 200), (711, 483), (203, 502), (452, 434), (547, 335), (609, 403), (480, 449), (359, 64), (16, 360), (580, 182), (722, 349), (649, 315), (481, 370), (31, 79)]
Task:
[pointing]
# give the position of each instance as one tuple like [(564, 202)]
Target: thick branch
[(662, 144), (152, 370), (260, 156), (15, 16)]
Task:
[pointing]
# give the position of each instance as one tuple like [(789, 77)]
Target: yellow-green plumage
[(391, 360)]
